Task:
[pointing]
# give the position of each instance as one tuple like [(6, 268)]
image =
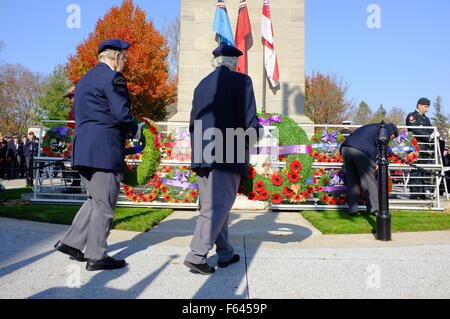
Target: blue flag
[(222, 25)]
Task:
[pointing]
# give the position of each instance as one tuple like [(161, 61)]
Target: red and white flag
[(270, 56), (243, 38)]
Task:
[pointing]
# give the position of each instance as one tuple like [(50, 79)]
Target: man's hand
[(138, 135)]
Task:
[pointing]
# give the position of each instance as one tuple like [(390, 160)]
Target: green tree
[(396, 116), (440, 120), (362, 114), (379, 115), (51, 104)]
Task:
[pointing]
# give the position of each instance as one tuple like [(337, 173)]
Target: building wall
[(197, 41)]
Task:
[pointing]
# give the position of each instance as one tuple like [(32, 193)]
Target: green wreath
[(161, 187), (289, 182), (61, 136), (407, 144), (331, 189), (325, 146), (150, 156)]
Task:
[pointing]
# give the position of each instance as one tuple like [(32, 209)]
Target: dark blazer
[(365, 139), (103, 119), (14, 152), (3, 150), (417, 119), (223, 99), (29, 146)]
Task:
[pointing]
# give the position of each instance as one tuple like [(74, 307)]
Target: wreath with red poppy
[(160, 189), (326, 145), (61, 136), (407, 144), (288, 181), (150, 156)]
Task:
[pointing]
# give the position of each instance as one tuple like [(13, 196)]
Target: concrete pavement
[(282, 256)]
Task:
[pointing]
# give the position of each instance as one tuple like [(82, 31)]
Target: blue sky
[(406, 58)]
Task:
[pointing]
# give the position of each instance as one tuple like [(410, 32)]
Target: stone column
[(197, 41)]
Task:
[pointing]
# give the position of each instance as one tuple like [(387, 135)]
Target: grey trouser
[(360, 170), (94, 220), (217, 192)]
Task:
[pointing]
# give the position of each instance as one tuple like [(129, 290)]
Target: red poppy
[(155, 191), (194, 194), (134, 198), (150, 198), (169, 153), (310, 189), (259, 186), (164, 189), (251, 173), (167, 198), (153, 129), (315, 139), (325, 180), (296, 166), (277, 198), (158, 145), (297, 197), (264, 195), (282, 158), (186, 200), (141, 195), (320, 188), (288, 192), (325, 198), (277, 179), (126, 187), (252, 196), (293, 177), (414, 142)]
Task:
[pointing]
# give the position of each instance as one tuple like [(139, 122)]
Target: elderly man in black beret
[(224, 100)]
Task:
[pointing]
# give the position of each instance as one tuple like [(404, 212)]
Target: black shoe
[(71, 191), (105, 263), (233, 260), (65, 249), (204, 269)]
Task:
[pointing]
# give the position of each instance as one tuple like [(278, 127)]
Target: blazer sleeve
[(248, 107), (116, 92)]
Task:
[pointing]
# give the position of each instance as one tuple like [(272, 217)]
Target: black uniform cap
[(423, 101), (113, 44), (226, 50)]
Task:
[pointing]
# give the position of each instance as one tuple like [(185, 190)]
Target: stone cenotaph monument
[(198, 40)]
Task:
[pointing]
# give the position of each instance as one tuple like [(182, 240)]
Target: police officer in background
[(418, 118), (223, 100), (103, 122)]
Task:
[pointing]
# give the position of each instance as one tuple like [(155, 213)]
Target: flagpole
[(264, 87)]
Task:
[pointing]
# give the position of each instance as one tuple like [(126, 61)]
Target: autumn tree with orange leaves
[(146, 70)]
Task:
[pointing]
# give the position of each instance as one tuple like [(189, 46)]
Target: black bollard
[(383, 216)]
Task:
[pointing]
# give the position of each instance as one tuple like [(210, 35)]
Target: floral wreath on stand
[(149, 153), (331, 189), (405, 142), (172, 186), (325, 145), (289, 183), (56, 135)]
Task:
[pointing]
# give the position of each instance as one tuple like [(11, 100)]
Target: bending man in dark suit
[(102, 113), (223, 101), (360, 151)]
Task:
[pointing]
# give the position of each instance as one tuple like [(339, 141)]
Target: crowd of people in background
[(16, 156)]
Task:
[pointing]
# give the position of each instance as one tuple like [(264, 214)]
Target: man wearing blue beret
[(103, 122), (223, 101)]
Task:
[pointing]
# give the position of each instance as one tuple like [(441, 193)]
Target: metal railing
[(51, 180)]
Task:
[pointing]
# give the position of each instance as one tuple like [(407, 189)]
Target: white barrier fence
[(55, 176)]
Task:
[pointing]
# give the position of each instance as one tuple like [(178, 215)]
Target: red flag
[(270, 56), (243, 38)]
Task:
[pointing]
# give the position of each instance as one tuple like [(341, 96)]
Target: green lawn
[(125, 218), (338, 222), (15, 193)]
